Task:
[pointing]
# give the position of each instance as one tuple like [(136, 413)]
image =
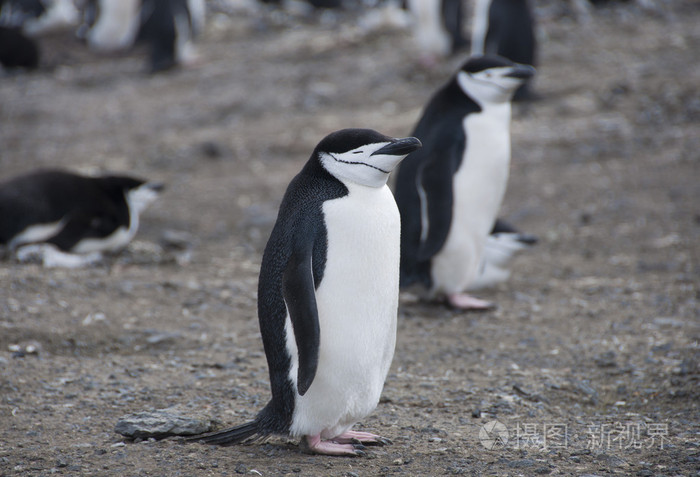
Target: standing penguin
[(505, 28), (328, 295), (450, 191), (71, 212), (438, 27), (168, 27)]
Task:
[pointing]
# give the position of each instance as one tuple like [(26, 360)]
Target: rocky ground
[(589, 366)]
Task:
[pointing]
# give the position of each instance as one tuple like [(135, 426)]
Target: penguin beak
[(522, 72), (399, 147), (156, 186), (527, 239)]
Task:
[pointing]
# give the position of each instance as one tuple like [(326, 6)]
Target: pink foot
[(464, 301), (315, 445), (368, 438)]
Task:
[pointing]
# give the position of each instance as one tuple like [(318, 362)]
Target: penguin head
[(363, 156), (138, 194), (491, 79), (142, 196)]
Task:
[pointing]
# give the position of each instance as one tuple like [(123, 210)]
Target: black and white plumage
[(23, 20), (505, 28), (17, 50), (168, 27), (437, 27), (36, 17), (72, 213), (313, 3), (502, 244), (328, 295), (450, 191)]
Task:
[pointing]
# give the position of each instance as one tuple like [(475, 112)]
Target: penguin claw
[(383, 441), (315, 445), (365, 438), (464, 302)]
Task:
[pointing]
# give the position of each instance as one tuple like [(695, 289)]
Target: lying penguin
[(501, 246), (61, 215), (328, 296)]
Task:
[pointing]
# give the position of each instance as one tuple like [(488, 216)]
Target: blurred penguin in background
[(313, 3), (437, 28), (449, 192), (68, 219), (21, 21), (168, 27), (36, 17), (506, 28), (502, 245), (17, 50)]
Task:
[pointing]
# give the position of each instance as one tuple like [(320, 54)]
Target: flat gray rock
[(161, 423)]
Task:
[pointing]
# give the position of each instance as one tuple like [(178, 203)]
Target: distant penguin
[(313, 3), (17, 50), (450, 191), (71, 212), (505, 28), (502, 244), (168, 27), (328, 295), (36, 17), (437, 28)]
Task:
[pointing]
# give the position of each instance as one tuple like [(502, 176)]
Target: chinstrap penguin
[(449, 192), (328, 296), (36, 17), (168, 27), (17, 50), (437, 28), (505, 28), (68, 213), (502, 244)]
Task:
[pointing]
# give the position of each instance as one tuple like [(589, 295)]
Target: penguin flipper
[(230, 436), (300, 297), (84, 224), (436, 181)]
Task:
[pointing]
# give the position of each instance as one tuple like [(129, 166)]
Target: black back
[(511, 34), (158, 30), (17, 50), (92, 207), (431, 167), (452, 16), (298, 240)]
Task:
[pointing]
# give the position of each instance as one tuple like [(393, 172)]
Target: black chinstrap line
[(487, 82), (359, 163)]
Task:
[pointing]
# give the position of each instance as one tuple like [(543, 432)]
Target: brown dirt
[(596, 333)]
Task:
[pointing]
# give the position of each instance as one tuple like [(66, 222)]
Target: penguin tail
[(248, 432)]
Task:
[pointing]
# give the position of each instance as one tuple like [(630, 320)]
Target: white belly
[(357, 307), (479, 187)]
